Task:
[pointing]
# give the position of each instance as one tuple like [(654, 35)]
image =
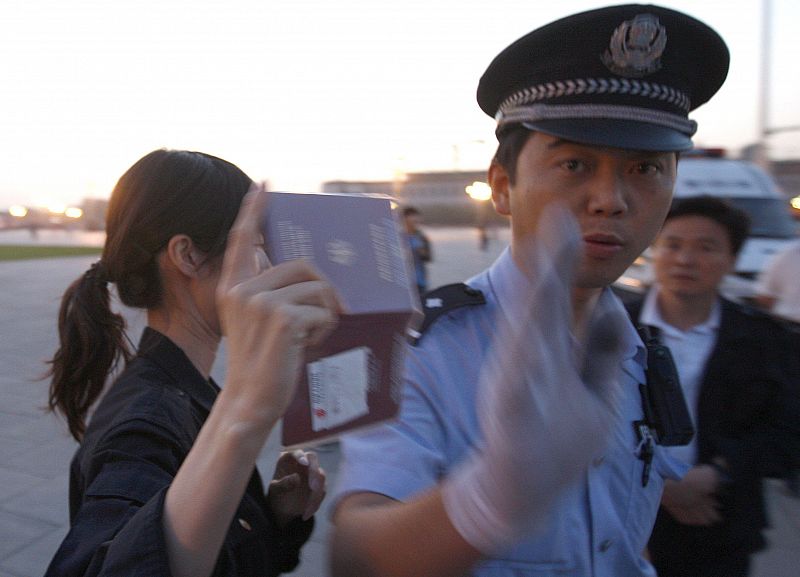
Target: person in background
[(164, 482), (515, 451), (419, 245), (778, 289), (734, 375)]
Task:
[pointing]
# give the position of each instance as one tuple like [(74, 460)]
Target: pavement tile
[(45, 460), (10, 447), (31, 391), (313, 561), (43, 428), (46, 501), (19, 532), (33, 559), (28, 404), (13, 483)]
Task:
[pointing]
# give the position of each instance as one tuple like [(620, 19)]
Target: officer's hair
[(734, 220), (511, 140)]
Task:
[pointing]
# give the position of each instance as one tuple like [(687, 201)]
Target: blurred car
[(746, 186)]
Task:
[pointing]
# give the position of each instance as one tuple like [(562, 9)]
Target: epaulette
[(444, 299)]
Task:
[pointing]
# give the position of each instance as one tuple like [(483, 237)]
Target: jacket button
[(598, 461), (245, 525), (605, 545)]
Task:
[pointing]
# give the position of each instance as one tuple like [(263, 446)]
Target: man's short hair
[(734, 220), (410, 211)]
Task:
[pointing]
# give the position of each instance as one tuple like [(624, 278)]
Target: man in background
[(733, 371), (419, 245)]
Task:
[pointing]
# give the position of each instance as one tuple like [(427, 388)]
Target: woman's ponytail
[(91, 342)]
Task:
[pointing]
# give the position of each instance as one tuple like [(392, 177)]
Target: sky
[(299, 92)]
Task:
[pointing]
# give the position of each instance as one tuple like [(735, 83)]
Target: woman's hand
[(269, 315), (297, 487)]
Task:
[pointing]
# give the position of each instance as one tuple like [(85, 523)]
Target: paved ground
[(35, 450)]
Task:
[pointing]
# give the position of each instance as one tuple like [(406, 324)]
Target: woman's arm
[(268, 315)]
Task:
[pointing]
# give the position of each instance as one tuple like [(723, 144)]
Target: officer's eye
[(648, 167), (574, 165)]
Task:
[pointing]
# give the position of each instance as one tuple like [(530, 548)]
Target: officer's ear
[(500, 184)]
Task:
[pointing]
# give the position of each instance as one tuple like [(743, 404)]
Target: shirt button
[(245, 525), (606, 545), (598, 461)]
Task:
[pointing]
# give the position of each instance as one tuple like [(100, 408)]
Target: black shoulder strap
[(445, 299), (663, 401)]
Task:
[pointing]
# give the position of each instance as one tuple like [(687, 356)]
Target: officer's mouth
[(599, 245)]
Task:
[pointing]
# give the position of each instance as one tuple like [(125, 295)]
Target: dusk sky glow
[(306, 91)]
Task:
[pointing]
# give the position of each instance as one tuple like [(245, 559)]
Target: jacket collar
[(160, 350)]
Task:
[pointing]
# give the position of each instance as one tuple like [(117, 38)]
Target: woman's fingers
[(285, 484), (245, 239), (316, 484)]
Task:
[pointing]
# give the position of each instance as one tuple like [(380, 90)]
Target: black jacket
[(747, 413), (136, 441)]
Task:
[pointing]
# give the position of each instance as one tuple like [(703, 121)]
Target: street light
[(17, 211), (480, 192)]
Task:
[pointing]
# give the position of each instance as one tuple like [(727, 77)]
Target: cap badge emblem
[(636, 46)]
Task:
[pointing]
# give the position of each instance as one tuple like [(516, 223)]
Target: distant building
[(440, 196), (94, 213)]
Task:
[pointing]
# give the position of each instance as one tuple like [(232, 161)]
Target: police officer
[(515, 452)]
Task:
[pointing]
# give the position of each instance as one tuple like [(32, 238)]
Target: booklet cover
[(353, 379)]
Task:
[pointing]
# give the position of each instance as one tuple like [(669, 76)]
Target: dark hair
[(409, 210), (167, 192), (511, 140), (735, 221)]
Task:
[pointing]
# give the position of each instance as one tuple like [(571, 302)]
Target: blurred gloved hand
[(546, 403)]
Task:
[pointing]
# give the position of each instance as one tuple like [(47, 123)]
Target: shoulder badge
[(636, 46), (443, 300)]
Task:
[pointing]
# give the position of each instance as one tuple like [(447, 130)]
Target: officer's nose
[(608, 196)]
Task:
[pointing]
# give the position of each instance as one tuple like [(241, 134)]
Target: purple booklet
[(353, 379)]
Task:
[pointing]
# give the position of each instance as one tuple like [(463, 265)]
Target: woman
[(164, 480)]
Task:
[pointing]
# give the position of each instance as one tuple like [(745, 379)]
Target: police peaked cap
[(621, 76)]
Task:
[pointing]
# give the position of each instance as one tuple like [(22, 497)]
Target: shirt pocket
[(137, 482)]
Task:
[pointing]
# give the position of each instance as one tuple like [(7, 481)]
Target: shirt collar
[(160, 350), (651, 316)]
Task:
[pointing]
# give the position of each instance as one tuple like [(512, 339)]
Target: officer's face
[(619, 197), (691, 256)]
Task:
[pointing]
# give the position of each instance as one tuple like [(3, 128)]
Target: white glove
[(543, 417)]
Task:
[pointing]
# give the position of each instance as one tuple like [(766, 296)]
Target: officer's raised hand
[(545, 412)]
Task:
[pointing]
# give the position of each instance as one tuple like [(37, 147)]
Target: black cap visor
[(627, 134)]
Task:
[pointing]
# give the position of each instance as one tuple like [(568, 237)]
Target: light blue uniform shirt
[(599, 527)]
